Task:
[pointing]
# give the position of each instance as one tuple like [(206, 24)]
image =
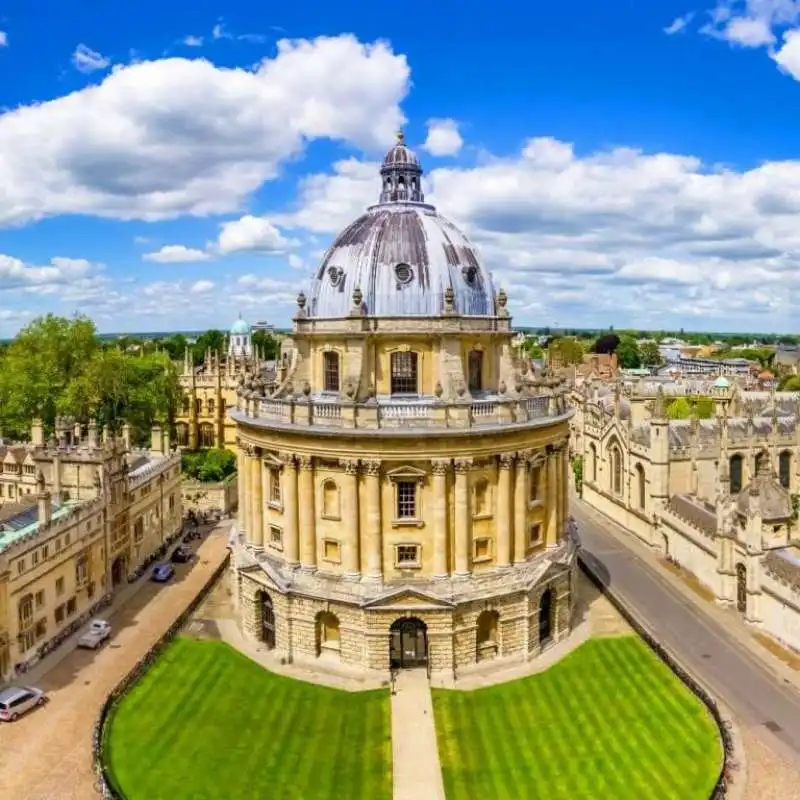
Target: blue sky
[(169, 166)]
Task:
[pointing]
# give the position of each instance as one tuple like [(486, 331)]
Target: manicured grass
[(207, 722), (610, 720)]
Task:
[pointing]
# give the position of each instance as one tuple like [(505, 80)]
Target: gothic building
[(403, 487), (714, 496)]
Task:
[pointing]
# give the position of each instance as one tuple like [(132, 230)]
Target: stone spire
[(659, 405)]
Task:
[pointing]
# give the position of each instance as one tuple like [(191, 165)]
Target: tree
[(268, 344), (606, 344), (213, 340), (650, 354), (628, 356), (577, 471), (565, 350), (208, 466), (175, 346)]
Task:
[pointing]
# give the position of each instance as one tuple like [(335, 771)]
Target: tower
[(240, 341)]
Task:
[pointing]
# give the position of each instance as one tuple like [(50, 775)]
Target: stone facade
[(403, 486), (199, 496)]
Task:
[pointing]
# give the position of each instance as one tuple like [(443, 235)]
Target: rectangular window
[(26, 612), (404, 373), (90, 590), (72, 606), (534, 483), (330, 371), (40, 598), (138, 530), (41, 628), (482, 549), (275, 537), (406, 500), (60, 614), (20, 566), (407, 556), (45, 552), (274, 485), (475, 370), (331, 551), (59, 587), (81, 571), (535, 535), (34, 558), (58, 544)]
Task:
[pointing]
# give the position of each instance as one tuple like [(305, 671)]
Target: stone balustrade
[(400, 414)]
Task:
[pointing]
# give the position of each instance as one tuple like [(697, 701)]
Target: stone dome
[(240, 327), (402, 255), (765, 496), (721, 383)]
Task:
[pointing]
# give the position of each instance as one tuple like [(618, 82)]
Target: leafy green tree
[(565, 350), (577, 471), (174, 346), (268, 344), (208, 466), (679, 408), (628, 355), (607, 343), (650, 355), (790, 383), (213, 340)]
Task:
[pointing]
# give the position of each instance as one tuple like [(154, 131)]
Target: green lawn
[(207, 722), (610, 720)]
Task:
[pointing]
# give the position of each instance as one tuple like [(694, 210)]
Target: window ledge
[(484, 515), (407, 565), (534, 504), (275, 506), (328, 560), (276, 546), (331, 517), (481, 559), (408, 522)]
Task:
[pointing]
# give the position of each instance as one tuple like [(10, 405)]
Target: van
[(16, 700)]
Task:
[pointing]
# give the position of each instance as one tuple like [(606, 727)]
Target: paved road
[(46, 755), (755, 695)]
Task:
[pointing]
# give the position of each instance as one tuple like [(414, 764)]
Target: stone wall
[(199, 496)]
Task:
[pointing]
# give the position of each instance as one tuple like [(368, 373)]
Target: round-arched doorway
[(266, 620), (408, 643)]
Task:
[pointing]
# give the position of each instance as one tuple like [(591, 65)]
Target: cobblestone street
[(46, 755)]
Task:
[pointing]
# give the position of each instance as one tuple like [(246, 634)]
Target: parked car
[(16, 700), (98, 632), (180, 555), (162, 573)]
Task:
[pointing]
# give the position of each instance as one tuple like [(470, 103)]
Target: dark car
[(162, 573), (180, 555)]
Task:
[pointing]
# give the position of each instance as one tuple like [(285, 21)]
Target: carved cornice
[(288, 459), (440, 466), (371, 467), (305, 463), (505, 460), (462, 465), (350, 465)]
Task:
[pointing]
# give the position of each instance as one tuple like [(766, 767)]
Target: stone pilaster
[(241, 480), (373, 546), (248, 494), (503, 510), (350, 517), (307, 514), (462, 518), (521, 507), (564, 488), (440, 507), (257, 505), (291, 548)]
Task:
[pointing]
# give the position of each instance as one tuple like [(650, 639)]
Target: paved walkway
[(46, 755), (416, 771), (715, 646)]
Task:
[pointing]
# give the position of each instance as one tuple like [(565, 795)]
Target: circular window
[(403, 273), (335, 274), (470, 274)]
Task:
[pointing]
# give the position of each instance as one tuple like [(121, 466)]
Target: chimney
[(37, 433), (156, 440), (92, 435), (126, 436), (44, 501), (76, 434), (166, 441)]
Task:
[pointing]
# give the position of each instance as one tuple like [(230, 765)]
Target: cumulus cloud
[(159, 139), (86, 60), (3, 39), (443, 138), (679, 24), (201, 287), (176, 254), (250, 234), (16, 274), (193, 41), (616, 234)]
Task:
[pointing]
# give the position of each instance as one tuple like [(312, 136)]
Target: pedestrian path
[(417, 772)]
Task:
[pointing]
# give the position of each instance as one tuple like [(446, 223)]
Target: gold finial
[(401, 137)]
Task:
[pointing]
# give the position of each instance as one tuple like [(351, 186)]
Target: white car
[(16, 700), (98, 632)]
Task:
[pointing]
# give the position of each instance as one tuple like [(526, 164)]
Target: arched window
[(206, 437), (198, 406), (785, 469), (404, 373), (475, 370), (210, 403), (486, 635), (593, 459), (327, 630), (330, 499), (736, 473), (481, 497), (330, 371), (641, 487), (185, 404), (616, 468), (182, 434)]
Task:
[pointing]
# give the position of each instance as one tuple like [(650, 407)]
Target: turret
[(44, 501)]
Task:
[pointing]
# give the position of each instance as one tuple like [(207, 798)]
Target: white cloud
[(176, 254), (754, 23), (295, 262), (84, 59), (160, 139), (201, 287), (3, 39), (193, 41), (679, 24), (614, 237), (219, 32), (443, 138), (16, 274), (250, 234)]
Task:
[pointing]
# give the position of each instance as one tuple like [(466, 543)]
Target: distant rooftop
[(26, 521)]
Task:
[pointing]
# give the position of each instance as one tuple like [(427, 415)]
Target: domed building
[(240, 340), (403, 489)]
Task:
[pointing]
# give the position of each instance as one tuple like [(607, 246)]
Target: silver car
[(16, 700)]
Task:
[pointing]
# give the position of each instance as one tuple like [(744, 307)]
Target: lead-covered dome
[(402, 255)]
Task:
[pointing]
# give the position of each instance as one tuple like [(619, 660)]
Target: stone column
[(372, 553), (306, 514), (462, 559), (503, 510), (241, 478), (256, 489), (440, 508), (289, 498), (248, 494), (551, 496), (564, 477), (521, 508), (350, 519)]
